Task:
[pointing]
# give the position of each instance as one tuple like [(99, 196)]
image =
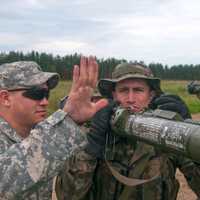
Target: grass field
[(180, 88), (56, 94), (174, 87)]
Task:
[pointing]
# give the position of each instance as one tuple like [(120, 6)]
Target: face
[(133, 93), (27, 111)]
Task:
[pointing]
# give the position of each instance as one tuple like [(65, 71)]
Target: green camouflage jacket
[(87, 179), (28, 166)]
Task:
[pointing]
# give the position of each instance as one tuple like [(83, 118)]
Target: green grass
[(174, 87), (59, 92), (180, 88)]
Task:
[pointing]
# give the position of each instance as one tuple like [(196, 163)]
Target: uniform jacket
[(27, 166), (85, 178)]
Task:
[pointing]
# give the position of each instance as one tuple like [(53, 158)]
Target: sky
[(159, 31)]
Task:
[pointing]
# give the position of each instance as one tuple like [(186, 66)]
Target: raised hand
[(79, 105)]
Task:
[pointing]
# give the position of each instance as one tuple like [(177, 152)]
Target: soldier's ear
[(4, 98)]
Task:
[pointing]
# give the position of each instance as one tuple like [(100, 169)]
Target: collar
[(9, 131)]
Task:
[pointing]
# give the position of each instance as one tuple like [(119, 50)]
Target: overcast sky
[(165, 31)]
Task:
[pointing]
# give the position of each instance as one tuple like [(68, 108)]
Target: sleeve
[(191, 171), (39, 157), (76, 180)]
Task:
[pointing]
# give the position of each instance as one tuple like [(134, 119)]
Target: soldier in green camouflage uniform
[(86, 178), (31, 157)]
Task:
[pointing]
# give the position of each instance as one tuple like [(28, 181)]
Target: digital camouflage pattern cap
[(126, 71), (25, 74)]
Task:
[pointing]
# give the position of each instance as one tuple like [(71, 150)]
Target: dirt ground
[(185, 193)]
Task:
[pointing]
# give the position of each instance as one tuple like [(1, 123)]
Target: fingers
[(83, 70), (100, 104), (79, 105), (92, 71), (80, 74), (86, 75), (75, 78), (76, 73), (88, 71)]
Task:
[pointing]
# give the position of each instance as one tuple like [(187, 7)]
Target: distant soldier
[(102, 176), (194, 88), (33, 149)]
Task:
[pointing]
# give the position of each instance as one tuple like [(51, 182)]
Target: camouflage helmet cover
[(25, 74), (126, 71)]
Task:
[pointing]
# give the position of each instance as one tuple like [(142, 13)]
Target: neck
[(21, 129)]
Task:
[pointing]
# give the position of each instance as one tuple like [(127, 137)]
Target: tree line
[(64, 65)]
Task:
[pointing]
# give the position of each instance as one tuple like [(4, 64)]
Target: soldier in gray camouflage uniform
[(33, 149), (87, 178)]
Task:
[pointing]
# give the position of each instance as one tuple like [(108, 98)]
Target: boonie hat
[(25, 74), (126, 71)]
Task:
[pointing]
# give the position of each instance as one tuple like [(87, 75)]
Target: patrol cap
[(25, 74), (126, 71)]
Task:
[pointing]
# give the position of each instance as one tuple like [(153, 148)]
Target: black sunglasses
[(35, 93)]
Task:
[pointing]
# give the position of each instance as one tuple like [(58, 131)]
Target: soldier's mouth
[(133, 108)]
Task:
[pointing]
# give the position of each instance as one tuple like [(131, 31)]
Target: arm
[(27, 165), (77, 178), (40, 156)]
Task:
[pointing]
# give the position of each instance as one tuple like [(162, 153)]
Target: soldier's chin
[(40, 117)]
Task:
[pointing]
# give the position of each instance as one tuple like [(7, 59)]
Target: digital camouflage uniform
[(37, 158), (85, 178), (27, 166)]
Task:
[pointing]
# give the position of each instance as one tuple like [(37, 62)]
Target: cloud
[(61, 47), (164, 31)]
